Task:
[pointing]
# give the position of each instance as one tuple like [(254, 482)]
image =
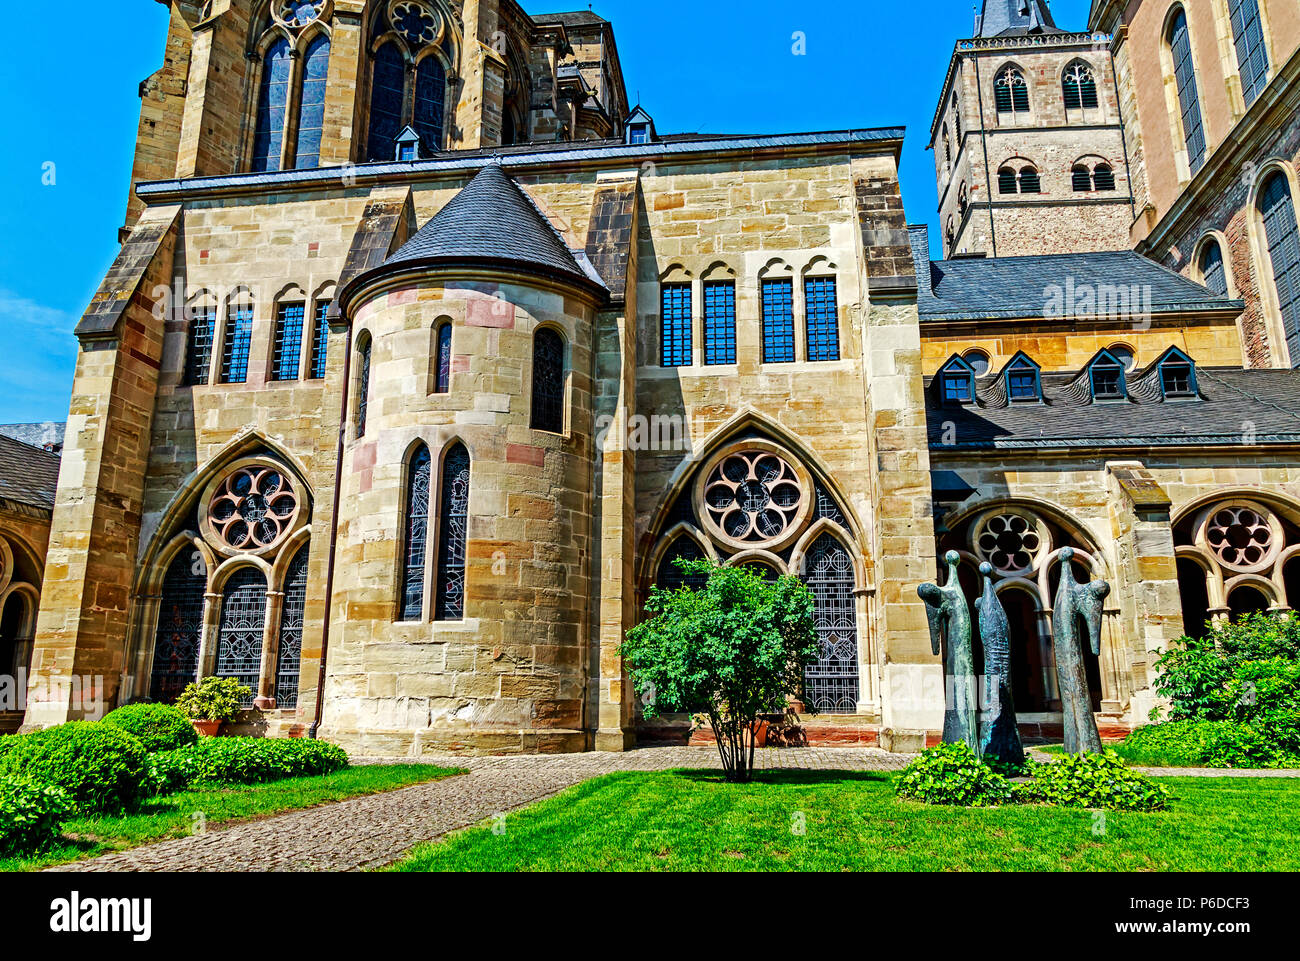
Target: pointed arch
[(453, 533), (411, 582)]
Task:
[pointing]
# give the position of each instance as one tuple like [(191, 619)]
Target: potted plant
[(211, 702)]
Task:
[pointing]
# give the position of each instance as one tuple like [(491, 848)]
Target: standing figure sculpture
[(949, 617), (998, 733), (1076, 605)]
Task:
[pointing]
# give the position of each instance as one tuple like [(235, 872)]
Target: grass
[(693, 821), (175, 815)]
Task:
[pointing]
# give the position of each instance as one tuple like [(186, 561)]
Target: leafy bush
[(101, 767), (213, 699), (1093, 781), (248, 760), (1204, 744), (952, 774), (171, 771), (30, 814), (159, 727)]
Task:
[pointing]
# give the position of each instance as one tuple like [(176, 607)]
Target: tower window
[(1214, 274), (288, 341), (719, 322), (1081, 178), (548, 381), (778, 321), (1277, 208), (1010, 92), (1103, 178), (1180, 47), (1022, 380), (411, 602), (1007, 183), (675, 325), (442, 381), (822, 315), (363, 385), (1252, 54), (453, 535), (238, 340), (1029, 182), (1106, 377), (1079, 87)]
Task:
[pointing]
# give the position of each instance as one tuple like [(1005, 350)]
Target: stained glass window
[(719, 322), (822, 318), (1213, 273), (311, 112), (778, 321), (238, 340), (442, 384), (272, 105), (243, 625), (548, 381), (1180, 45), (417, 532), (675, 325), (363, 386), (1252, 54), (288, 662), (453, 535), (430, 97), (320, 340), (831, 685), (288, 341), (669, 576), (1278, 210), (198, 348), (180, 624), (387, 92)]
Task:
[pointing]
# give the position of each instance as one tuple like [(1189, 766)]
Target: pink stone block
[(524, 454)]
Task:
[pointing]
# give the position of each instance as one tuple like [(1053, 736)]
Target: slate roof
[(577, 18), (978, 288), (1016, 18), (493, 221), (36, 435), (28, 474), (1234, 407)]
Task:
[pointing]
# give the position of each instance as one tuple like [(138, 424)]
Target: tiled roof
[(1016, 18), (37, 435), (1235, 407), (578, 18), (977, 288), (28, 474), (492, 220)]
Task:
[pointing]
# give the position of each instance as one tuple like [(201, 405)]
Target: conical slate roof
[(1009, 18), (493, 222)]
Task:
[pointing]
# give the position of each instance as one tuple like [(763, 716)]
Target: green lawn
[(174, 815), (693, 821)]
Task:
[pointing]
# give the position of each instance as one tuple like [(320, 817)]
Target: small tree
[(732, 650)]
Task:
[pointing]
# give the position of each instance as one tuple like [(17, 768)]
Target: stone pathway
[(372, 831)]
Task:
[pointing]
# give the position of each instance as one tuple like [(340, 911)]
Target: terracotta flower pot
[(206, 728), (760, 734)]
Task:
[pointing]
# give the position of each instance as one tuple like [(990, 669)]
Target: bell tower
[(1028, 140)]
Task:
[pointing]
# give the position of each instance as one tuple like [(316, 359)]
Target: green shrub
[(213, 699), (30, 814), (172, 771), (159, 727), (253, 760), (1093, 781), (952, 774), (101, 767)]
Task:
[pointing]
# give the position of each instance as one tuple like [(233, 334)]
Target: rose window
[(1009, 542), (253, 508), (299, 13), (753, 496), (1240, 537), (416, 23)]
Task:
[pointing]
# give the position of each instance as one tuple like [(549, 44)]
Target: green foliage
[(952, 774), (213, 699), (159, 727), (101, 767), (733, 649), (1204, 744), (244, 760), (30, 814), (1093, 781)]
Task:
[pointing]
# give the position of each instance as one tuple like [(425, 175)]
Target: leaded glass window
[(1213, 272), (778, 321), (675, 325), (363, 386), (453, 535), (1010, 91), (430, 97), (1277, 207), (831, 685), (180, 625), (1079, 88), (238, 341), (320, 341), (1252, 54), (1189, 102), (311, 112), (387, 93), (242, 629), (669, 576), (548, 381), (272, 107), (198, 347), (822, 318), (288, 341), (442, 383), (719, 322), (288, 661), (417, 534)]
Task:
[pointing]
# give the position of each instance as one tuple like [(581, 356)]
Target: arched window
[(237, 341), (1103, 177), (548, 381), (198, 345), (453, 535), (387, 96), (320, 340), (719, 322), (430, 98), (411, 603), (1029, 182), (1081, 178), (287, 347), (363, 384), (311, 110), (1277, 208), (288, 661), (778, 321), (821, 315), (1010, 92), (1189, 103), (963, 201), (1214, 274), (947, 145), (1007, 183), (831, 685), (949, 235), (956, 119), (1079, 87), (180, 624), (1106, 378), (1252, 54), (669, 576), (442, 382), (242, 628), (675, 325), (272, 107)]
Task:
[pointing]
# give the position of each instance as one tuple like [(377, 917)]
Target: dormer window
[(1022, 380), (957, 382), (638, 133), (639, 128), (1177, 374), (1106, 376), (408, 145)]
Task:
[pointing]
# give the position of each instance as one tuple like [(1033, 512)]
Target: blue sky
[(718, 67)]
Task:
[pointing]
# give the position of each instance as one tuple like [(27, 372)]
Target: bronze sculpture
[(1076, 604), (949, 617), (999, 735)]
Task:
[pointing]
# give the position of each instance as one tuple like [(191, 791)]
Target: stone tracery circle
[(1241, 536), (253, 508), (415, 22), (752, 496), (1012, 542), (298, 13)]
